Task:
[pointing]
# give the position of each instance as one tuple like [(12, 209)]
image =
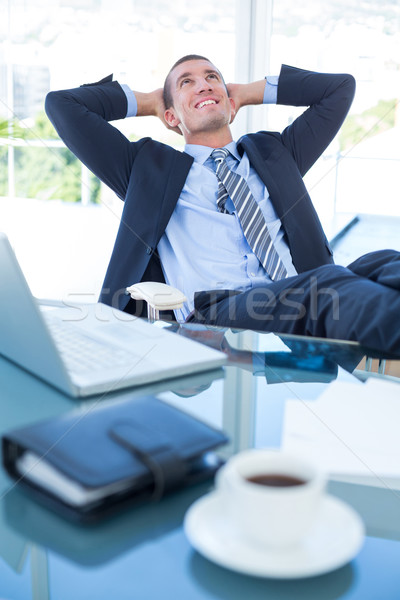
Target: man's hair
[(167, 95)]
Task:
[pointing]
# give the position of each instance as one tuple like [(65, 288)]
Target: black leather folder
[(86, 465)]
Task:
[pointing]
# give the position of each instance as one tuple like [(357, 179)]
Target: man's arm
[(81, 117), (151, 104), (246, 94), (263, 91), (328, 96)]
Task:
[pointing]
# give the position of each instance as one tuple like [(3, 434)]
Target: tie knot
[(219, 154)]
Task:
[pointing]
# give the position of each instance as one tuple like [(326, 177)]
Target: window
[(49, 201), (359, 173)]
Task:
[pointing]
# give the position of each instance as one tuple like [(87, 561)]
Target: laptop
[(86, 349)]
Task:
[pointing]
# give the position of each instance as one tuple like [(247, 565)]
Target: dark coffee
[(276, 480)]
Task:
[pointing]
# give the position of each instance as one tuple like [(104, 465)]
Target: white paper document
[(353, 430)]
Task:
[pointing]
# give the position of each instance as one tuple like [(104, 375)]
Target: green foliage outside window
[(372, 121), (3, 170), (43, 171)]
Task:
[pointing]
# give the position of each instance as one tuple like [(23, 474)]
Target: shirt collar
[(202, 153)]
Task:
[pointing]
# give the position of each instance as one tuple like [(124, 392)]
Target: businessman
[(230, 223)]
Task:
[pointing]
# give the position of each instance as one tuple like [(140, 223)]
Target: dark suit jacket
[(149, 175)]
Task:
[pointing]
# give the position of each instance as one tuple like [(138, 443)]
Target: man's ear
[(171, 118), (233, 109)]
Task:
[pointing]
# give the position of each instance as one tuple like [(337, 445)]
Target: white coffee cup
[(268, 514)]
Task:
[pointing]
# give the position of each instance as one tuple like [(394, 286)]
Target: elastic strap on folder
[(155, 451)]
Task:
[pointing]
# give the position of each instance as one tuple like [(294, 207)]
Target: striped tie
[(251, 218)]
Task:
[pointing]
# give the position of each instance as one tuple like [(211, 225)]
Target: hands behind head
[(242, 94), (246, 94)]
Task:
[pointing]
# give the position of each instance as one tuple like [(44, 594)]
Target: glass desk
[(143, 553)]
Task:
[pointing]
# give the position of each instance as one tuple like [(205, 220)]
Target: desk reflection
[(248, 396), (298, 360)]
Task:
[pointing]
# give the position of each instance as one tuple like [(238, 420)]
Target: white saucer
[(335, 539)]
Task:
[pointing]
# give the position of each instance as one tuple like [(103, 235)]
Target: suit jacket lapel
[(265, 164), (176, 177), (156, 182)]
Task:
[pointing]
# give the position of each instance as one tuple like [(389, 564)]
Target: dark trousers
[(360, 303)]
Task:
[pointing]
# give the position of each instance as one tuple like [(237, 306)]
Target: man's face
[(200, 100)]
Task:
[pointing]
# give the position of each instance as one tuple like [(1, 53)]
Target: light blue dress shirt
[(203, 249)]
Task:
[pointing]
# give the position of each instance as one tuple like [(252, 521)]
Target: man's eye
[(213, 76), (184, 81)]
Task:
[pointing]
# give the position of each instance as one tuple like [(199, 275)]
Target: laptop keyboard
[(82, 353)]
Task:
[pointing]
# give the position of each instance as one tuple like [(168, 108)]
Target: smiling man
[(230, 223), (197, 103)]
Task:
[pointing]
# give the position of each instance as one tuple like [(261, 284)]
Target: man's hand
[(152, 104), (246, 94), (159, 107)]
